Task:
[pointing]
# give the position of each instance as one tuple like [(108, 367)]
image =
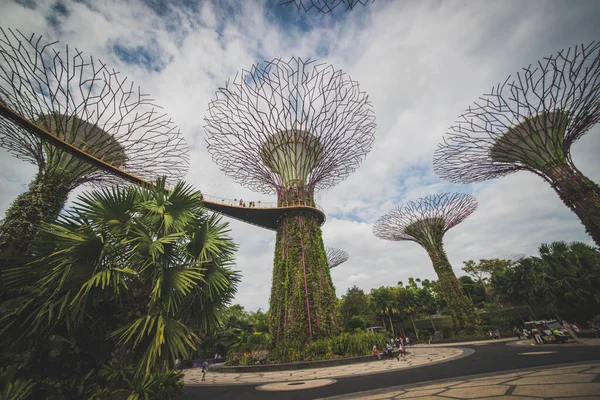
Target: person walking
[(401, 352), (204, 368), (536, 334), (388, 350), (517, 332)]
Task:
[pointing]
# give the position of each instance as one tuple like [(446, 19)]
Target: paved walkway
[(573, 382), (418, 357)]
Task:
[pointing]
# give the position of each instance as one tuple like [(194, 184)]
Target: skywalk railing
[(258, 204)]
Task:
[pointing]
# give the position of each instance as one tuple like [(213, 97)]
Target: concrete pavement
[(579, 381), (486, 359)]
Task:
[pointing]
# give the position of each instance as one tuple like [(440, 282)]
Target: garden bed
[(296, 365)]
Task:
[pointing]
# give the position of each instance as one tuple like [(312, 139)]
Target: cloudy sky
[(421, 62)]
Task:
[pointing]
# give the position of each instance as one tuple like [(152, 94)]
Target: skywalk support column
[(290, 129)]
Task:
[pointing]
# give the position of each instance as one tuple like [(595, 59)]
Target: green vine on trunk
[(302, 292), (580, 194), (42, 202)]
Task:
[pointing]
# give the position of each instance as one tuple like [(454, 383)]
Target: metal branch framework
[(325, 6), (289, 124), (513, 257), (530, 123), (335, 256), (84, 105), (87, 104), (425, 221)]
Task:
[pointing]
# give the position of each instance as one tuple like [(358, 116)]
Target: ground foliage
[(560, 282), (116, 290), (338, 346)]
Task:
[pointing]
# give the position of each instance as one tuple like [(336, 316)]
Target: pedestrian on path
[(401, 351), (388, 351), (204, 368), (375, 352)]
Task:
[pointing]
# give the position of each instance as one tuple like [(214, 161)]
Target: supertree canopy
[(86, 105), (325, 6), (513, 257), (335, 257), (293, 128), (530, 123), (425, 221)]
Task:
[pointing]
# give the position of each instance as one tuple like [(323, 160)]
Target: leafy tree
[(474, 290), (354, 309), (117, 289), (483, 270), (428, 300), (384, 304), (516, 285), (407, 302), (240, 331), (570, 275)]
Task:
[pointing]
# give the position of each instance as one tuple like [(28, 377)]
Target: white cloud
[(421, 63)]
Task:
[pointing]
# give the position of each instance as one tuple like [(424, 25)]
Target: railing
[(258, 204)]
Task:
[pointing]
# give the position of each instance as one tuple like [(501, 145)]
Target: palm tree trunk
[(520, 316), (531, 311), (383, 321), (391, 324), (414, 326), (432, 324)]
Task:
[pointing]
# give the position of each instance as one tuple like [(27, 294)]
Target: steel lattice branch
[(513, 257), (87, 104), (528, 123), (335, 256), (325, 6), (293, 123)]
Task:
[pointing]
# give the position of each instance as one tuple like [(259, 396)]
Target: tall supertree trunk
[(302, 292), (461, 308), (580, 194), (41, 203)]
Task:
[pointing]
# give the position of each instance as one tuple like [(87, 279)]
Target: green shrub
[(343, 345)]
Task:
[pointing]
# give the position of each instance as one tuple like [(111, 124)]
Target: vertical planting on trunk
[(42, 202), (302, 292)]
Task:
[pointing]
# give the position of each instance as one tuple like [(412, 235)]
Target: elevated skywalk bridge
[(260, 214), (264, 215)]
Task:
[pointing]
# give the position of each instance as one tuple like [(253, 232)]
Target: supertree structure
[(292, 128), (86, 105), (530, 123), (513, 257), (335, 257), (425, 221), (325, 6)]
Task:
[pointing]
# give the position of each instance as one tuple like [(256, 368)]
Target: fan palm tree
[(140, 272), (570, 274)]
